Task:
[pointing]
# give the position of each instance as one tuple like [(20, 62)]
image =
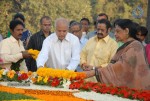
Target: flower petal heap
[(56, 77), (58, 73)]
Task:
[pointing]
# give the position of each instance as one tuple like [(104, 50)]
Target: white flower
[(34, 74), (66, 83), (5, 71)]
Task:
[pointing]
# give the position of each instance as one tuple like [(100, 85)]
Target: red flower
[(135, 95), (24, 76), (103, 85), (55, 82), (105, 90), (19, 78), (96, 88), (88, 85), (75, 85), (114, 91)]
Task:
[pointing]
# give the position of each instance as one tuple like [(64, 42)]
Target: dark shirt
[(25, 36), (35, 43)]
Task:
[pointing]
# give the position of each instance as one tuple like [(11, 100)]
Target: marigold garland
[(34, 53), (66, 74), (43, 94)]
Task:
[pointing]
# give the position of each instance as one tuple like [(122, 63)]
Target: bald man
[(61, 49)]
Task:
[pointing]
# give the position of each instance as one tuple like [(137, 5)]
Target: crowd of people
[(113, 54)]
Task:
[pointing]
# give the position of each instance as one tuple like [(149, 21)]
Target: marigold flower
[(11, 74), (39, 78), (34, 53)]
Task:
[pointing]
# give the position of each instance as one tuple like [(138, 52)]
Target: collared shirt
[(98, 52), (90, 34), (83, 42), (10, 52), (35, 42), (111, 34), (60, 54)]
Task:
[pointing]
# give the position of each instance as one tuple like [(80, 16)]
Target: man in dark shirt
[(37, 39)]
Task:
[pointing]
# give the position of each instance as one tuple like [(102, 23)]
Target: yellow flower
[(66, 74), (34, 53), (1, 71), (21, 72), (39, 78), (45, 79)]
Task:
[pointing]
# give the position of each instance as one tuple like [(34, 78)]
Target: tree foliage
[(33, 10)]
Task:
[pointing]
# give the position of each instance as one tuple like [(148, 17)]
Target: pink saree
[(129, 68)]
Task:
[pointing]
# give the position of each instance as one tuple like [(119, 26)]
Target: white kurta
[(60, 54)]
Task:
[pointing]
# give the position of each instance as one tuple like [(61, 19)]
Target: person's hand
[(25, 54), (86, 67), (89, 67), (89, 73)]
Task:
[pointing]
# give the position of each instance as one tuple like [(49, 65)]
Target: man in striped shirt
[(37, 39)]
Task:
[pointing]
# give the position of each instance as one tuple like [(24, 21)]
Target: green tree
[(33, 10)]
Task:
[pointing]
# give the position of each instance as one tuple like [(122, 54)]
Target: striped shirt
[(35, 42)]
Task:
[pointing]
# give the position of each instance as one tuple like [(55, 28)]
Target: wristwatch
[(93, 68)]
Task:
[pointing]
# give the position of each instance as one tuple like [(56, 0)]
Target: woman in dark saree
[(129, 66)]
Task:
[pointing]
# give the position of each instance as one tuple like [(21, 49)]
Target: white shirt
[(60, 54)]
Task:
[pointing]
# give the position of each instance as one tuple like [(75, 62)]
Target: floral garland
[(66, 74), (56, 77), (11, 75), (44, 95), (110, 89), (73, 80), (34, 53)]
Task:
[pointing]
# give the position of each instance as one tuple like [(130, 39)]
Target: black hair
[(104, 21), (14, 23), (103, 14), (44, 17), (72, 21), (143, 30), (85, 19), (127, 23), (19, 15), (76, 23)]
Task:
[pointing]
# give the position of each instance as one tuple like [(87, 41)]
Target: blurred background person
[(76, 29)]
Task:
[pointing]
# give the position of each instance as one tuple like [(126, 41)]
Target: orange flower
[(29, 73), (44, 95), (11, 74), (34, 80)]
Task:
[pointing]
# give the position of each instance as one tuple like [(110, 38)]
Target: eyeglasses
[(76, 31), (46, 24)]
